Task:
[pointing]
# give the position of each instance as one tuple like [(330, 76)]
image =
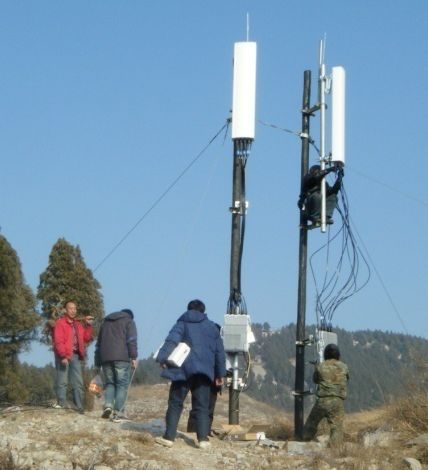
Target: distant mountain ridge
[(382, 366)]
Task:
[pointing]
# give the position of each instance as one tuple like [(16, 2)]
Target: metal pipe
[(234, 392)]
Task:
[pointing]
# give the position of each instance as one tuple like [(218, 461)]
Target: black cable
[(333, 293), (159, 199)]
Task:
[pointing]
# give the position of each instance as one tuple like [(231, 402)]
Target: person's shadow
[(156, 428)]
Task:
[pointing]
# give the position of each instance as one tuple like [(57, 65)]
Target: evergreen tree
[(18, 319), (68, 278)]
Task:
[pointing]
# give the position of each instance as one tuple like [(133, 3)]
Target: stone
[(303, 448), (378, 438), (421, 440), (412, 463)]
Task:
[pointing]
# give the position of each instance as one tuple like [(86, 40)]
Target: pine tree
[(18, 317), (18, 320), (67, 278)]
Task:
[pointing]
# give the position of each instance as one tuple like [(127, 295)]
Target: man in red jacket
[(70, 338)]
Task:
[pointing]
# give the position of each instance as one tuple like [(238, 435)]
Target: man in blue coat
[(205, 364)]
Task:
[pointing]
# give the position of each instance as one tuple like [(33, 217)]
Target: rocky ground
[(50, 439)]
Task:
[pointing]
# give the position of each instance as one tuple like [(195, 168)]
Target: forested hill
[(382, 365)]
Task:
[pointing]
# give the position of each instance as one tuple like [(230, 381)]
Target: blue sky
[(104, 103)]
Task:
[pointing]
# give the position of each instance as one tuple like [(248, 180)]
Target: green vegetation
[(18, 321), (380, 364), (65, 278), (148, 372)]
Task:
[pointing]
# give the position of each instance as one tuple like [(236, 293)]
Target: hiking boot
[(57, 406), (164, 442), (106, 413), (204, 445)]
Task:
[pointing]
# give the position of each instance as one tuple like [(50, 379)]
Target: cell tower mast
[(237, 331), (337, 84)]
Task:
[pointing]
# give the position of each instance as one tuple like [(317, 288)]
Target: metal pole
[(237, 209), (299, 389), (234, 393)]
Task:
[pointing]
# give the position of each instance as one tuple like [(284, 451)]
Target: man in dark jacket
[(310, 196), (116, 353), (204, 365)]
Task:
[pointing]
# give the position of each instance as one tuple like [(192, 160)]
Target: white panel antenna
[(244, 90), (338, 115)]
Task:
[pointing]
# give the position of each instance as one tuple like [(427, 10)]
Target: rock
[(412, 463), (119, 448), (102, 467), (378, 438), (421, 440), (303, 448), (268, 443), (323, 440)]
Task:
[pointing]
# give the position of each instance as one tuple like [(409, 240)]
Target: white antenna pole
[(322, 83), (248, 26)]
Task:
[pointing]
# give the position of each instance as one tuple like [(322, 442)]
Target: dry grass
[(422, 455), (280, 430), (6, 461), (410, 414), (64, 441), (358, 424), (144, 438)]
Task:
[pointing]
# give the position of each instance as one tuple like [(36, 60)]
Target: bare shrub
[(422, 455), (280, 430), (410, 413)]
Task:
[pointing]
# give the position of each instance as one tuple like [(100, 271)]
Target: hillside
[(49, 439), (382, 365)]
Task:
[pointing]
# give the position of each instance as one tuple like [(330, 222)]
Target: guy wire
[(159, 199)]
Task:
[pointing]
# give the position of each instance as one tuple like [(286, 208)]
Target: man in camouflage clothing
[(332, 377)]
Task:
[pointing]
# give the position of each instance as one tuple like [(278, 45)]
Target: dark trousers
[(191, 423), (199, 386), (313, 205)]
